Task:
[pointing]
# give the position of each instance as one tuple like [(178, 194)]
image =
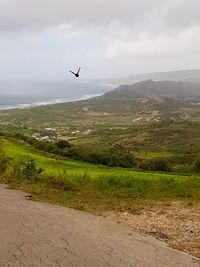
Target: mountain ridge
[(178, 75), (150, 88)]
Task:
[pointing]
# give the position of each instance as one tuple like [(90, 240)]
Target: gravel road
[(34, 234)]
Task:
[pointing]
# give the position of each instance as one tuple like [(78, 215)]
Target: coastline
[(46, 103)]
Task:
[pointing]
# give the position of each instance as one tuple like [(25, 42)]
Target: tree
[(197, 165), (61, 144), (160, 165)]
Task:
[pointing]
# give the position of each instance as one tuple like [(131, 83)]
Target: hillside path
[(35, 234)]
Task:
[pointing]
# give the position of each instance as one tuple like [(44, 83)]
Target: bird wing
[(78, 70), (73, 72)]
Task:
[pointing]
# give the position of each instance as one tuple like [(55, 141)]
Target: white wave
[(50, 102)]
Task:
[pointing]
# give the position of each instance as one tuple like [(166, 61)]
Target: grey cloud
[(183, 13), (41, 38), (155, 15), (37, 14), (147, 47)]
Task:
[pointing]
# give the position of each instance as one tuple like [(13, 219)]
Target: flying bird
[(77, 73)]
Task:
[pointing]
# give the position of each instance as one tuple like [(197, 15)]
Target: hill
[(150, 88), (148, 118)]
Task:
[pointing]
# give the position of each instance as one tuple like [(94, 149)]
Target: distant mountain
[(149, 88), (182, 75)]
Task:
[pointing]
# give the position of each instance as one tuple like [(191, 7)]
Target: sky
[(43, 39)]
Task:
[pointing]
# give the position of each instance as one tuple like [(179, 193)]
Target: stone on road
[(34, 234)]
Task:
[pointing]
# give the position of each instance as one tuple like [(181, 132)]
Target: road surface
[(34, 234)]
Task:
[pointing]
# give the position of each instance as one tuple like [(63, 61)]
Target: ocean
[(31, 94)]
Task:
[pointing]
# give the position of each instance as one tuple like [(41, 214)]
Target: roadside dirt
[(177, 223)]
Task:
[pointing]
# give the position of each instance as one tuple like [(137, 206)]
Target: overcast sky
[(41, 39)]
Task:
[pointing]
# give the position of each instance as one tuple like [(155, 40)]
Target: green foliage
[(30, 170), (4, 160), (197, 165), (160, 165), (116, 156), (155, 165), (70, 176), (132, 123), (27, 169), (62, 144)]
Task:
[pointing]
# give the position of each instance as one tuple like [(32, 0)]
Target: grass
[(55, 166), (174, 138), (116, 181), (96, 188), (152, 155)]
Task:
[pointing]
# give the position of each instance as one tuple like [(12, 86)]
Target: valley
[(166, 127), (122, 156)]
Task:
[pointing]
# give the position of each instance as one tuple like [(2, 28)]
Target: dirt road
[(34, 234)]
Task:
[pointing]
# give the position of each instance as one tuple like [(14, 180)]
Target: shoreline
[(46, 103)]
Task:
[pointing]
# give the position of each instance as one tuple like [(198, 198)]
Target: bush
[(160, 165), (4, 160), (30, 170), (155, 165), (61, 144), (197, 165), (25, 169)]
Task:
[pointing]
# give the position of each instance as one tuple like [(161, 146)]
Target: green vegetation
[(115, 155), (87, 186), (156, 128), (197, 165), (4, 160), (104, 153)]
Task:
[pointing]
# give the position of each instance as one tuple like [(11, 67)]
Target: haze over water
[(25, 94)]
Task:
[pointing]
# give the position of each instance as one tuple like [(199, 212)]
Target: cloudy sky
[(41, 39)]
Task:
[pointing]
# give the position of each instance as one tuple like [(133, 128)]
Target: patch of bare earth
[(139, 138), (177, 223)]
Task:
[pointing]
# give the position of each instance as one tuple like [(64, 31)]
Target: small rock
[(28, 197)]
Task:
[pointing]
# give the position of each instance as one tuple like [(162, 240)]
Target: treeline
[(114, 156)]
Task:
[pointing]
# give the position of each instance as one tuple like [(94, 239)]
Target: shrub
[(25, 169), (197, 165), (155, 165), (61, 144), (4, 160), (30, 170), (160, 165)]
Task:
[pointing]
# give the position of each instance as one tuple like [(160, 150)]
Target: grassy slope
[(55, 166), (97, 188)]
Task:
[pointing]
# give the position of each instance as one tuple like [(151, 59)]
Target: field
[(158, 128), (131, 182)]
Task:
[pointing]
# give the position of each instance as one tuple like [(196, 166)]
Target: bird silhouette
[(77, 73)]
